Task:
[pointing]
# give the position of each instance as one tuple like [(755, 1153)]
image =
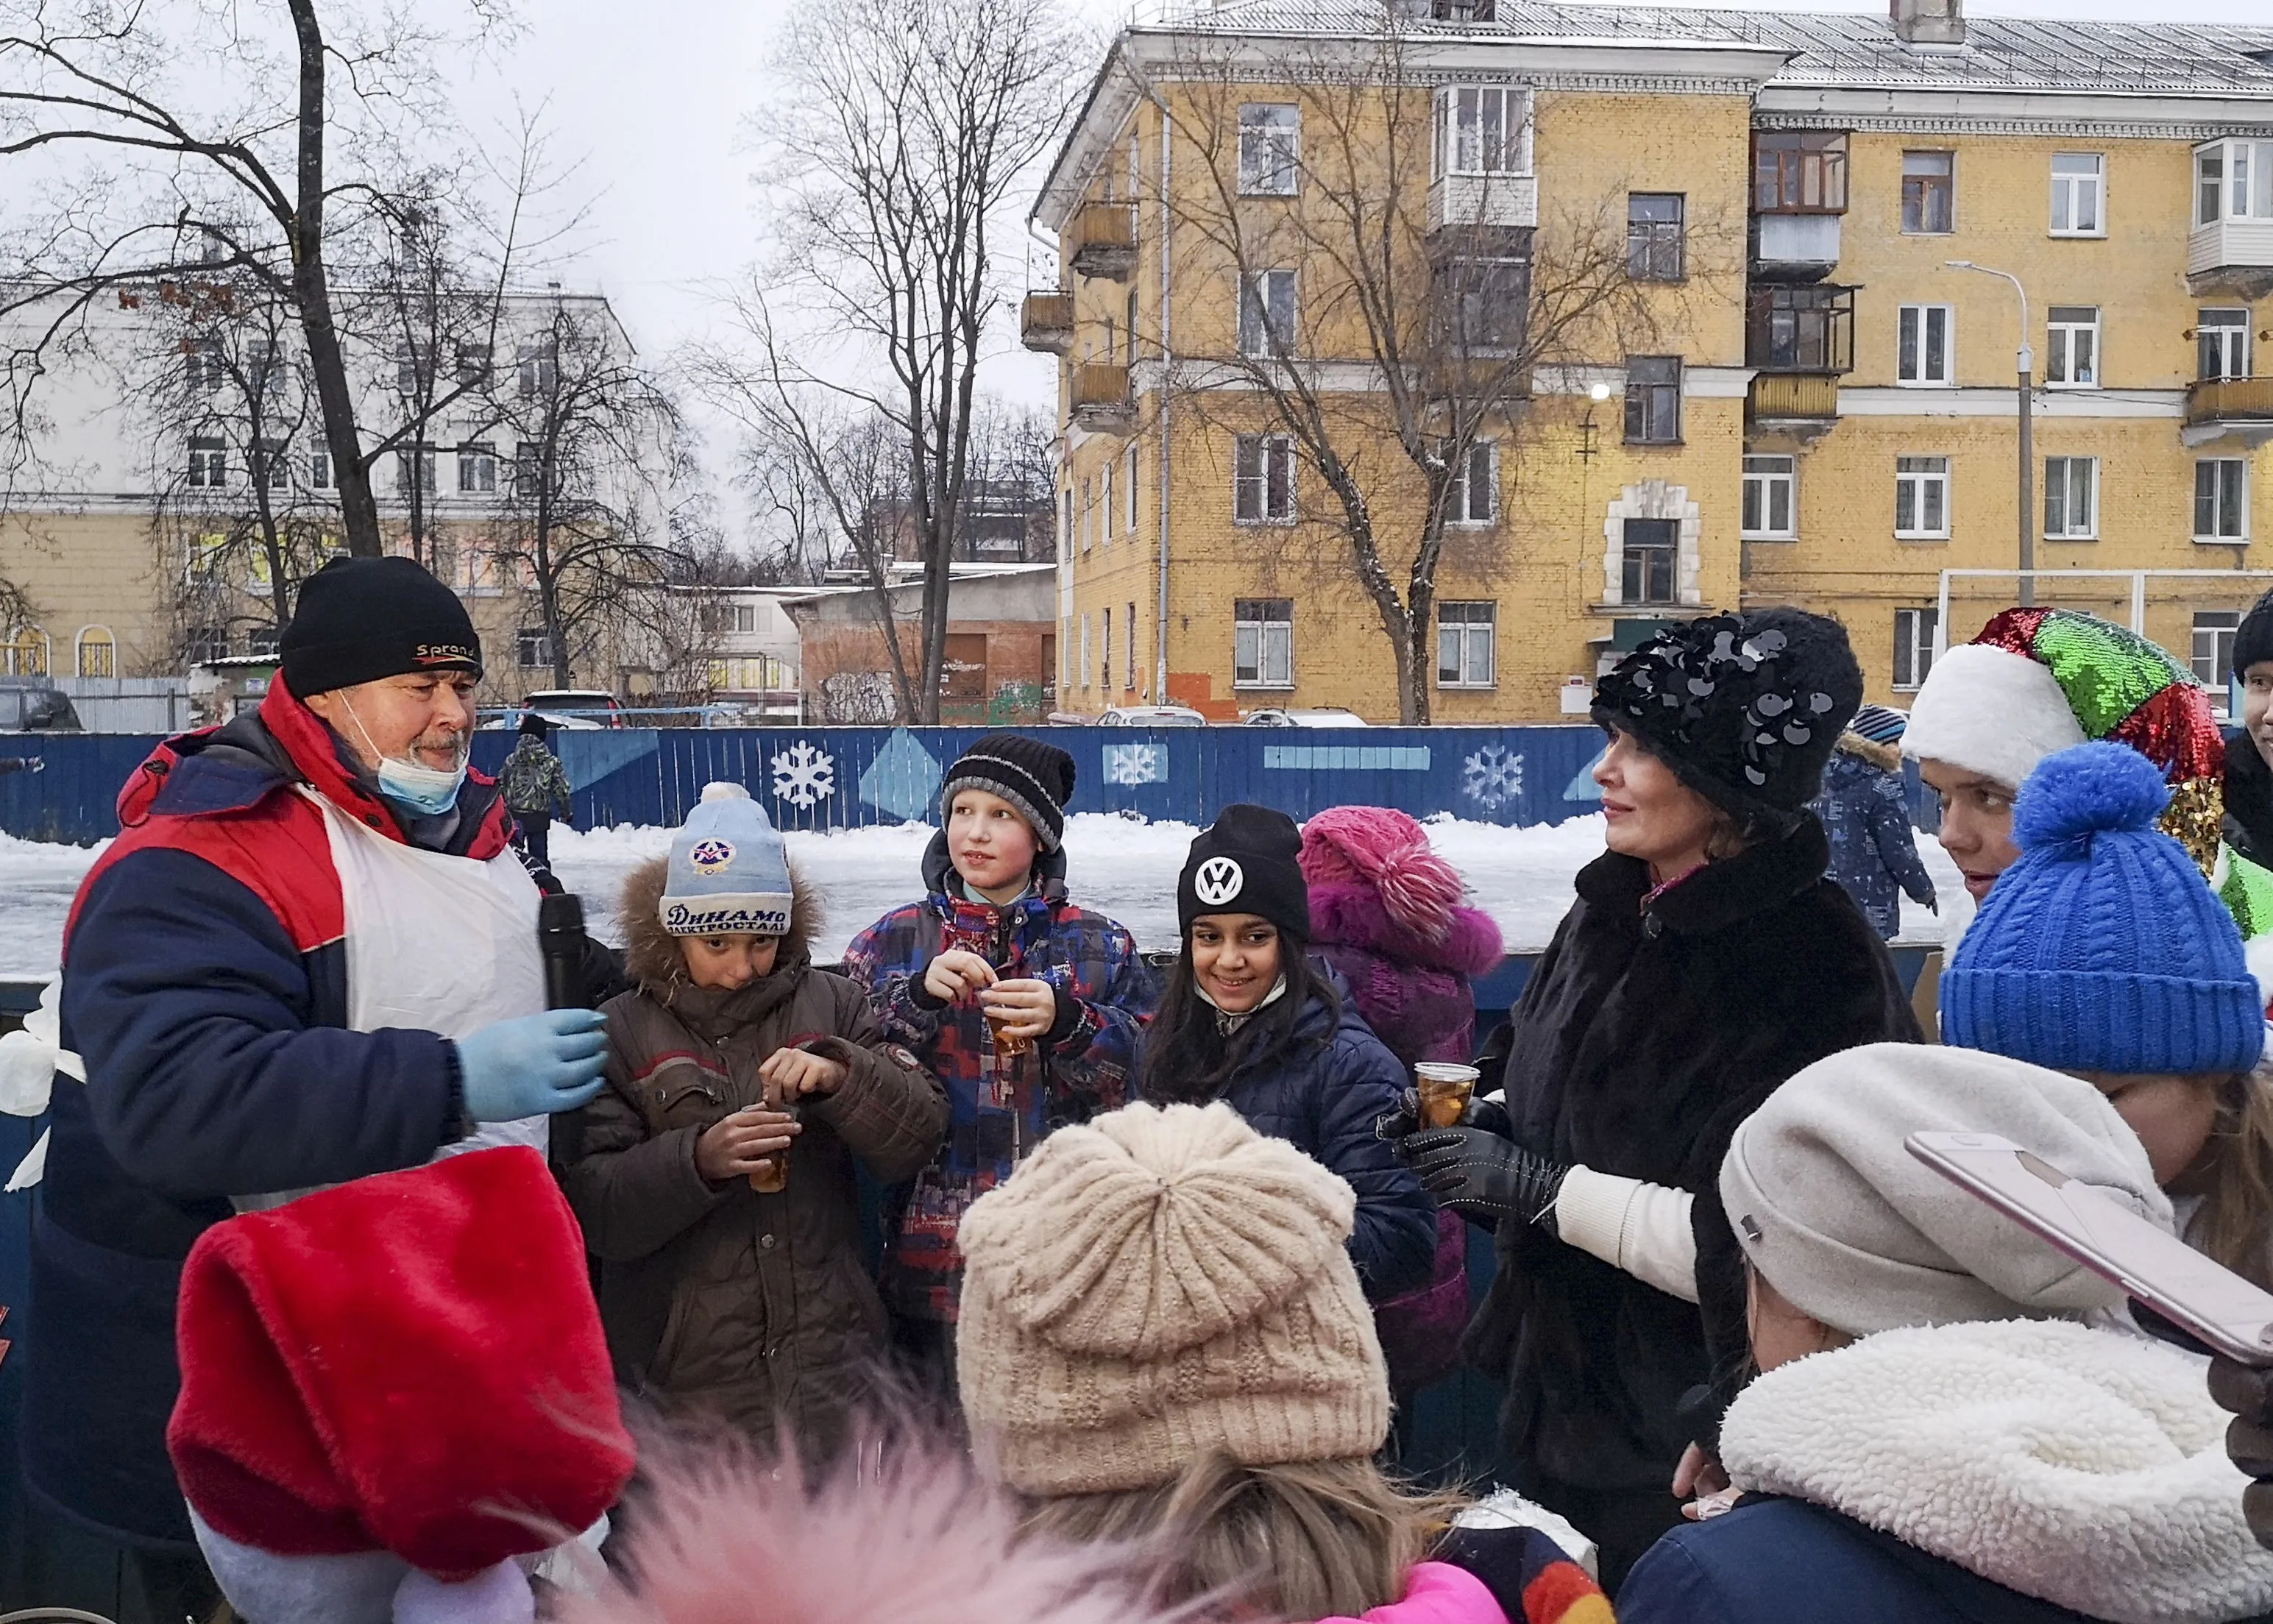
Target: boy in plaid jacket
[(1025, 1006)]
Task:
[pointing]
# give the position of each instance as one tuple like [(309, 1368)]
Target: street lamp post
[(2024, 365)]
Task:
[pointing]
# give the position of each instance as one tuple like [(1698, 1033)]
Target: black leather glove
[(1483, 1176), (1489, 1114), (2248, 1393)]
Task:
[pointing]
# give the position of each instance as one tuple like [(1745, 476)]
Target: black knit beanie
[(1745, 708), (535, 727), (1250, 862), (360, 620), (2253, 642), (1036, 779)]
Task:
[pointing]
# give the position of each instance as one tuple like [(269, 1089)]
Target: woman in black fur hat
[(1707, 959)]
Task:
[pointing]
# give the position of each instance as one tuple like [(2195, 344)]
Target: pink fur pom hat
[(1386, 850)]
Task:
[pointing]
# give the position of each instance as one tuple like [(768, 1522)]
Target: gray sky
[(653, 100)]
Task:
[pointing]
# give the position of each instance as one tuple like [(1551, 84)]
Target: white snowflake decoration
[(1493, 776), (1134, 764), (803, 776)]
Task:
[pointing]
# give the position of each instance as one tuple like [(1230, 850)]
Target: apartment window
[(1266, 314), (1651, 547), (420, 458), (98, 654), (2233, 180), (1654, 235), (538, 366), (1799, 172), (1088, 517), (474, 364), (1809, 328), (319, 471), (2071, 499), (208, 461), (2222, 500), (1128, 484), (2213, 654), (1479, 130), (200, 645), (1130, 339), (534, 647), (1065, 521), (26, 653), (1923, 352), (2072, 347), (260, 357), (1928, 193), (478, 469), (745, 619), (1129, 679), (528, 470), (1270, 148), (1262, 479), (1488, 301), (1466, 638), (414, 369), (1654, 400), (1914, 634), (1262, 642), (2223, 341), (1106, 663), (1085, 682), (205, 365), (1104, 517), (272, 464), (1473, 497), (1768, 504), (2079, 192), (1922, 497)]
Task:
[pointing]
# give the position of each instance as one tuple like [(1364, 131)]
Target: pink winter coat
[(1438, 1593)]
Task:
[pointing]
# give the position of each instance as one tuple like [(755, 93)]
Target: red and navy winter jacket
[(205, 986), (998, 1109)]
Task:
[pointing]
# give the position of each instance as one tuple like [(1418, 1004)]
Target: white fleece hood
[(2082, 1467)]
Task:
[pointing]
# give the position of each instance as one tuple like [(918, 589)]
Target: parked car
[(1324, 716), (35, 705), (1150, 716), (508, 720), (594, 704)]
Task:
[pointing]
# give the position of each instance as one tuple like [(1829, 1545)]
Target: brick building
[(1001, 648)]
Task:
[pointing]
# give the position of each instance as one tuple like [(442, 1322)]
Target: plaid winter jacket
[(534, 780), (998, 1108)]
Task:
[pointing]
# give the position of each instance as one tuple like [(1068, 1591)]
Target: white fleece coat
[(2078, 1466)]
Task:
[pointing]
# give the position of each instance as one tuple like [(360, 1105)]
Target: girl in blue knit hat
[(2100, 953), (714, 1174)]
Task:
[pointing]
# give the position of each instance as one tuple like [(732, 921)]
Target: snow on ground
[(1124, 869)]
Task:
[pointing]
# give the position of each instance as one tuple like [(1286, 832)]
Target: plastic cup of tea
[(1008, 1045), (1444, 1088), (773, 1178)]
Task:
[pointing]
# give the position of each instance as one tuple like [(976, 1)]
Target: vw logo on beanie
[(1248, 862)]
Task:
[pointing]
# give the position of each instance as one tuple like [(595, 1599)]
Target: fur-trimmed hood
[(2082, 1467), (651, 955), (1885, 757)]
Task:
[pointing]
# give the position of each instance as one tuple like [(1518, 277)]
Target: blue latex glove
[(534, 1065)]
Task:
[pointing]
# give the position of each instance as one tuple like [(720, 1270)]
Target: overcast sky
[(653, 102)]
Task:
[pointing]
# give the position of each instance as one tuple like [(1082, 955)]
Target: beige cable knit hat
[(1157, 1285)]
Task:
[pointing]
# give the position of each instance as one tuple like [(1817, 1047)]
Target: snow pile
[(1120, 866)]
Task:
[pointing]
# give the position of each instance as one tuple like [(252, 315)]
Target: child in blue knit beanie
[(2101, 953), (714, 1175)]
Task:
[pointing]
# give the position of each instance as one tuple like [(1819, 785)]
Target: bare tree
[(581, 519), (188, 140), (1391, 321), (905, 130)]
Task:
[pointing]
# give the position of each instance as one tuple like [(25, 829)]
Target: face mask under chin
[(429, 792)]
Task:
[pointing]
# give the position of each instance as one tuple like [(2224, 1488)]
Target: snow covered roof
[(1827, 49)]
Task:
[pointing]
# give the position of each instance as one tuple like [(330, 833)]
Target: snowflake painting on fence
[(1493, 777), (1136, 763), (803, 776)]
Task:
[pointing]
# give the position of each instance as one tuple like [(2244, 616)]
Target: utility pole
[(2024, 366)]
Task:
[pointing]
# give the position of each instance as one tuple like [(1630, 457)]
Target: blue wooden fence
[(839, 778)]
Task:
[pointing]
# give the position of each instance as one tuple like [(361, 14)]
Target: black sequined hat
[(1744, 708)]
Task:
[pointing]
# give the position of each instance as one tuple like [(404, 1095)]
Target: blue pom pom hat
[(2101, 950), (729, 870)]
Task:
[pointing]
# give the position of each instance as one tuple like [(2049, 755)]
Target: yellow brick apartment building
[(1791, 396)]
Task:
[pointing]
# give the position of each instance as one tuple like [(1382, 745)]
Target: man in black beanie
[(311, 956), (2248, 826)]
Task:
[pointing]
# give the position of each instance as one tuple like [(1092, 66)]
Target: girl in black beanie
[(1249, 1018)]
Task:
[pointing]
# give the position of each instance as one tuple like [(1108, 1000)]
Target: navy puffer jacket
[(1322, 1093)]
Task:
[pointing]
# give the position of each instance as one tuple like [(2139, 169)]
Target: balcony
[(1046, 323), (2237, 408), (1485, 203), (1794, 247), (1804, 403), (1102, 241), (1101, 402)]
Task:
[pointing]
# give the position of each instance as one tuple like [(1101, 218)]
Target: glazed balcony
[(1100, 401), (1102, 240), (1046, 322)]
